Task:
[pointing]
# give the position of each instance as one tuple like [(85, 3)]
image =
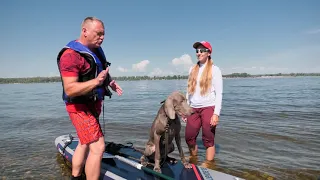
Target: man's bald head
[(92, 32), (88, 21)]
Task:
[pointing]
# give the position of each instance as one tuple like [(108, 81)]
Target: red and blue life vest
[(97, 63)]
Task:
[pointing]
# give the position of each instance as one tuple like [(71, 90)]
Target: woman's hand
[(214, 120), (184, 119)]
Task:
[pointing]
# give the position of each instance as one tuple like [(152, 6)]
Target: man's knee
[(98, 147)]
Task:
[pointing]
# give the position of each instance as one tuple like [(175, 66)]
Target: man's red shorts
[(87, 126), (200, 118)]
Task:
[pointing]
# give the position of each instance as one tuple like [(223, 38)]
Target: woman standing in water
[(204, 95)]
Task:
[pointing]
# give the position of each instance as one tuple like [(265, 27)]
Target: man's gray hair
[(90, 19)]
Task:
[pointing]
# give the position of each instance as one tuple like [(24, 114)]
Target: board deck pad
[(113, 168)]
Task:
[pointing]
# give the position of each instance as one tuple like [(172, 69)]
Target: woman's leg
[(192, 131), (208, 132)]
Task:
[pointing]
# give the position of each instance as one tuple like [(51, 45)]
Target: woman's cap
[(203, 43)]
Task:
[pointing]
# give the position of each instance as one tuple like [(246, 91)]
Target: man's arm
[(73, 88)]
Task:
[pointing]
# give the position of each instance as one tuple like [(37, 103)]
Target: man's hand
[(102, 76), (115, 87), (214, 120)]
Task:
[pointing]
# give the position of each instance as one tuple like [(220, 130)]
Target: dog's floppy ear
[(162, 101), (169, 109)]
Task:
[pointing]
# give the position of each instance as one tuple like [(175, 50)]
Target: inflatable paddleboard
[(127, 166)]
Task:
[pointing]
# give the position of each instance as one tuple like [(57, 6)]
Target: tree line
[(136, 78)]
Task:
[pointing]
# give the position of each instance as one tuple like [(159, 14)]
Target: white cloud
[(314, 31), (156, 72), (184, 60), (182, 64), (121, 69), (141, 66)]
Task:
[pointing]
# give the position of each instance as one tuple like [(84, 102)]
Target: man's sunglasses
[(202, 50)]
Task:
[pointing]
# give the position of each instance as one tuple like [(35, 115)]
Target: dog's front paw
[(187, 165), (171, 160), (143, 161), (157, 169)]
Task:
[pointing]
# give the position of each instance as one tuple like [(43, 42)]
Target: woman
[(204, 95)]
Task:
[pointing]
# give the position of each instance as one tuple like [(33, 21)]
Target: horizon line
[(264, 74)]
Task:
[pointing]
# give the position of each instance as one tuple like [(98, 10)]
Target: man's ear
[(169, 109)]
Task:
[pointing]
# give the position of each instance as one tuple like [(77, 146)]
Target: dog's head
[(177, 103)]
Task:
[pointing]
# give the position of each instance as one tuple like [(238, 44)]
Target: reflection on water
[(269, 128)]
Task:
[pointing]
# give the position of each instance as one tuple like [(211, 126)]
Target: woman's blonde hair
[(205, 80)]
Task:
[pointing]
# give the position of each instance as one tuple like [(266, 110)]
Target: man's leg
[(93, 162), (79, 156), (78, 159), (91, 139)]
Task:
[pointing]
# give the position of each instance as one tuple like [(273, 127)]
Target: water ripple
[(268, 127)]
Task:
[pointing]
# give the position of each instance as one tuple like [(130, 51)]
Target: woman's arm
[(218, 87)]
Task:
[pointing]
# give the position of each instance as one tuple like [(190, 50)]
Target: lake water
[(269, 128)]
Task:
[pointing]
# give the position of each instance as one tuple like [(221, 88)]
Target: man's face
[(94, 33)]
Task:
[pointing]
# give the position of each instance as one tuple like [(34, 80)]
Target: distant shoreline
[(137, 78)]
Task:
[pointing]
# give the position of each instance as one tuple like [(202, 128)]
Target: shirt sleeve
[(69, 64), (218, 86)]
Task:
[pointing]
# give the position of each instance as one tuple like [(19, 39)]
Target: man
[(85, 79)]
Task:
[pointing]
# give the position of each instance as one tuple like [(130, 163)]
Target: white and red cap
[(203, 43)]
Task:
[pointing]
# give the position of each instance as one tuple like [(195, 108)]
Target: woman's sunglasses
[(202, 50)]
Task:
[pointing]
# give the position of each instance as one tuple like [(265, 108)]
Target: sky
[(150, 38)]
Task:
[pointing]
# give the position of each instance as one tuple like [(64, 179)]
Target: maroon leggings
[(200, 118)]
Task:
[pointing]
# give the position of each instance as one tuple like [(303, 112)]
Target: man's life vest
[(97, 64)]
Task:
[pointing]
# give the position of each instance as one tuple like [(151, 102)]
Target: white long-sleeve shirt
[(214, 97)]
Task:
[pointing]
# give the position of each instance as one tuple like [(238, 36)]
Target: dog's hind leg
[(149, 150)]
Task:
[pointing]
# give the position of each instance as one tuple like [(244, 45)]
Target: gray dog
[(158, 147)]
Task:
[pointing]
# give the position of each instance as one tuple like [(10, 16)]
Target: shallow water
[(269, 128)]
